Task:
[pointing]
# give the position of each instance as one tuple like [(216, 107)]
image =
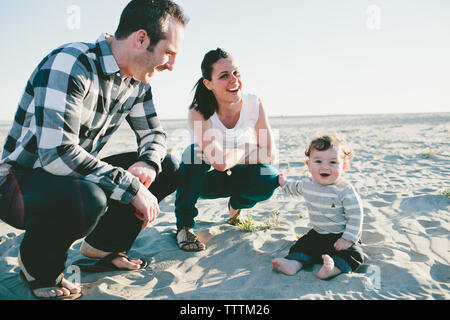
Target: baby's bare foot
[(288, 267), (328, 269)]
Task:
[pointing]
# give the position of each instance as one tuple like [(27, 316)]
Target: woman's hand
[(281, 180)]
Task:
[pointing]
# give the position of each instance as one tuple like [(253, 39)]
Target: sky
[(301, 57)]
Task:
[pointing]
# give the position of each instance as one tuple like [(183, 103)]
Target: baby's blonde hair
[(325, 142)]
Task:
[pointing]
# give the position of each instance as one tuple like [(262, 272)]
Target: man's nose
[(171, 63)]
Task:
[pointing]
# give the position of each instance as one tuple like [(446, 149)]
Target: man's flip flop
[(105, 264), (37, 284)]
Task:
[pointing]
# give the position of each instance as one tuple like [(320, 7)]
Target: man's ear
[(141, 39)]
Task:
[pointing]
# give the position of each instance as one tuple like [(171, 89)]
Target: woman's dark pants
[(246, 186)]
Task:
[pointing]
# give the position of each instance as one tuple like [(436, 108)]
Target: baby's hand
[(342, 244), (281, 180)]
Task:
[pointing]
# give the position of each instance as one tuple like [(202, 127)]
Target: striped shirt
[(73, 102), (335, 208)]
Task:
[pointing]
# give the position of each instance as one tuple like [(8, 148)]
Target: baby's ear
[(346, 165)]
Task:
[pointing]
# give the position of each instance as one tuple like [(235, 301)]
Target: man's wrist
[(152, 164)]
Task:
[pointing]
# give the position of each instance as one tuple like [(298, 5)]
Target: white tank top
[(244, 130)]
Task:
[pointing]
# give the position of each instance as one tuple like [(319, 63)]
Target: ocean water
[(288, 131)]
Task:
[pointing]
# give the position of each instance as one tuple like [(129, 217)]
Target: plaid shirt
[(73, 102)]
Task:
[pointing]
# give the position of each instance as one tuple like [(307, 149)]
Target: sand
[(402, 166)]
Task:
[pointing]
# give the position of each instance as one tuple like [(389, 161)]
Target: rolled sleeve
[(150, 136)]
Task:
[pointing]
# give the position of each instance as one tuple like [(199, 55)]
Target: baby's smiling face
[(327, 166)]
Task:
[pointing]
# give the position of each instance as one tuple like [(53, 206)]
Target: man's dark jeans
[(55, 211)]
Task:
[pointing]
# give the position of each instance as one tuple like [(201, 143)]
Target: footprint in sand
[(380, 204), (440, 272), (433, 228), (428, 202)]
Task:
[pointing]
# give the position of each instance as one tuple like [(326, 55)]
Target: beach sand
[(401, 167)]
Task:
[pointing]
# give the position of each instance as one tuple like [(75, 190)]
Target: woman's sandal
[(37, 284), (189, 239), (236, 219)]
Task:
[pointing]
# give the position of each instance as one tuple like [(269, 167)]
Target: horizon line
[(6, 122)]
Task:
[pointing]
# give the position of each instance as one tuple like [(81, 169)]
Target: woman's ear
[(207, 84)]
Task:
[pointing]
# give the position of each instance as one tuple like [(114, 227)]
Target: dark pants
[(55, 211), (310, 248), (246, 186)]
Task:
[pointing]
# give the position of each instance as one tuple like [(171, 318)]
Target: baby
[(335, 210)]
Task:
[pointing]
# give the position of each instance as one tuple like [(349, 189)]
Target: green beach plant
[(446, 193), (248, 225), (430, 154)]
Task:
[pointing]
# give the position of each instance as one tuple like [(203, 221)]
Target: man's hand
[(145, 172), (146, 205), (342, 244)]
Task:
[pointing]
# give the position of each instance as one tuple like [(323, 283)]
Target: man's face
[(163, 55)]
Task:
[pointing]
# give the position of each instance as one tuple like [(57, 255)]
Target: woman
[(231, 151)]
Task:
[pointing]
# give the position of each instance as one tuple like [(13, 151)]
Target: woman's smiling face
[(225, 83)]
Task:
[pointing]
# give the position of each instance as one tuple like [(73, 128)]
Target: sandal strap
[(236, 219), (190, 236), (108, 258), (38, 284)]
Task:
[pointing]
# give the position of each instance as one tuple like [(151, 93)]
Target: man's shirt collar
[(107, 61)]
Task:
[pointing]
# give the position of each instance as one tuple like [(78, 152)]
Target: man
[(53, 185)]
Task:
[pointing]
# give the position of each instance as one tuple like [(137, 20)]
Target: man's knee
[(170, 164), (93, 204)]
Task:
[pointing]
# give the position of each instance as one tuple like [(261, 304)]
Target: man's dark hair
[(150, 15)]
